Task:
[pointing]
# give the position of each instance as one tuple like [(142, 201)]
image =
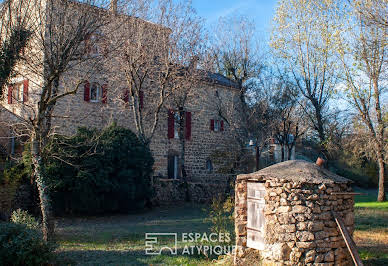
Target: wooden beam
[(348, 239)]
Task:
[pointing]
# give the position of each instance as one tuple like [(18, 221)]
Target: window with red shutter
[(87, 91), (25, 91), (170, 124), (188, 125), (212, 124)]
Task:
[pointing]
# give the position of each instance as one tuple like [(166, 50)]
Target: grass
[(120, 239), (371, 228)]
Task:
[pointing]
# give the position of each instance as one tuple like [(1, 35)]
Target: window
[(216, 125), (173, 166), (18, 92), (174, 122), (209, 166), (177, 120), (17, 89), (95, 92)]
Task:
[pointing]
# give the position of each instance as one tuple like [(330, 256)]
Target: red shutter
[(212, 124), (188, 126), (126, 95), (170, 132), (87, 91), (222, 125), (141, 99), (104, 98), (25, 91), (10, 94)]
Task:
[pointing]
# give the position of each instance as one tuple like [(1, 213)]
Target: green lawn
[(120, 239), (371, 234)]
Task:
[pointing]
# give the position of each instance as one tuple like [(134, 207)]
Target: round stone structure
[(284, 216)]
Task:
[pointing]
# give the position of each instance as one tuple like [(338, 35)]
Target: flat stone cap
[(296, 171)]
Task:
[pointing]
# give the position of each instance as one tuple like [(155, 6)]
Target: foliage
[(221, 215), (98, 171), (10, 53), (20, 245), (16, 172), (23, 217)]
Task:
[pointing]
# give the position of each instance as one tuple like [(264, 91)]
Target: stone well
[(283, 216)]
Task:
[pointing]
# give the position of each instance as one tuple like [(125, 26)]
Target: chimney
[(113, 6), (194, 62)]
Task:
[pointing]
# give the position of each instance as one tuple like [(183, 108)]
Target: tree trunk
[(182, 154), (45, 205), (257, 158), (282, 147), (381, 195), (290, 152)]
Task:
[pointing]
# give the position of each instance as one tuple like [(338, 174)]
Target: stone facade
[(72, 112), (299, 227)]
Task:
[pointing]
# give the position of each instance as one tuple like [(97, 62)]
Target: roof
[(298, 171), (220, 80)]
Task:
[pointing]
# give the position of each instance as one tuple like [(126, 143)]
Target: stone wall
[(168, 191), (299, 226)]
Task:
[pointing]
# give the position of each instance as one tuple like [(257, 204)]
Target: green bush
[(98, 171), (23, 217), (20, 245), (221, 215)]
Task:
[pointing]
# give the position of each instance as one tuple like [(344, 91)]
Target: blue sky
[(261, 11)]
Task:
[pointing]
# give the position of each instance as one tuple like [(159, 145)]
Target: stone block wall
[(169, 191), (299, 226)]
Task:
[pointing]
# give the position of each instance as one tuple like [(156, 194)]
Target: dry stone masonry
[(294, 224)]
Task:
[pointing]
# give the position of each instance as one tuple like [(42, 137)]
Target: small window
[(17, 92), (217, 125), (173, 166), (95, 92), (177, 120), (216, 93), (209, 166)]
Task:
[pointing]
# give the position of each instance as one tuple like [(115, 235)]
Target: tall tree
[(57, 61), (363, 53), (302, 36), (234, 53)]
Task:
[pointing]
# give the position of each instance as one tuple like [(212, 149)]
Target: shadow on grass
[(127, 257), (376, 262)]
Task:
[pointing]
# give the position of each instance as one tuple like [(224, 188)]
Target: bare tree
[(363, 53), (57, 61), (303, 37), (234, 53)]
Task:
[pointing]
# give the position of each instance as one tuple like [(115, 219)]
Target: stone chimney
[(113, 6), (194, 62)]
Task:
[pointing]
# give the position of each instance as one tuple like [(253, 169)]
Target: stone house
[(101, 100)]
